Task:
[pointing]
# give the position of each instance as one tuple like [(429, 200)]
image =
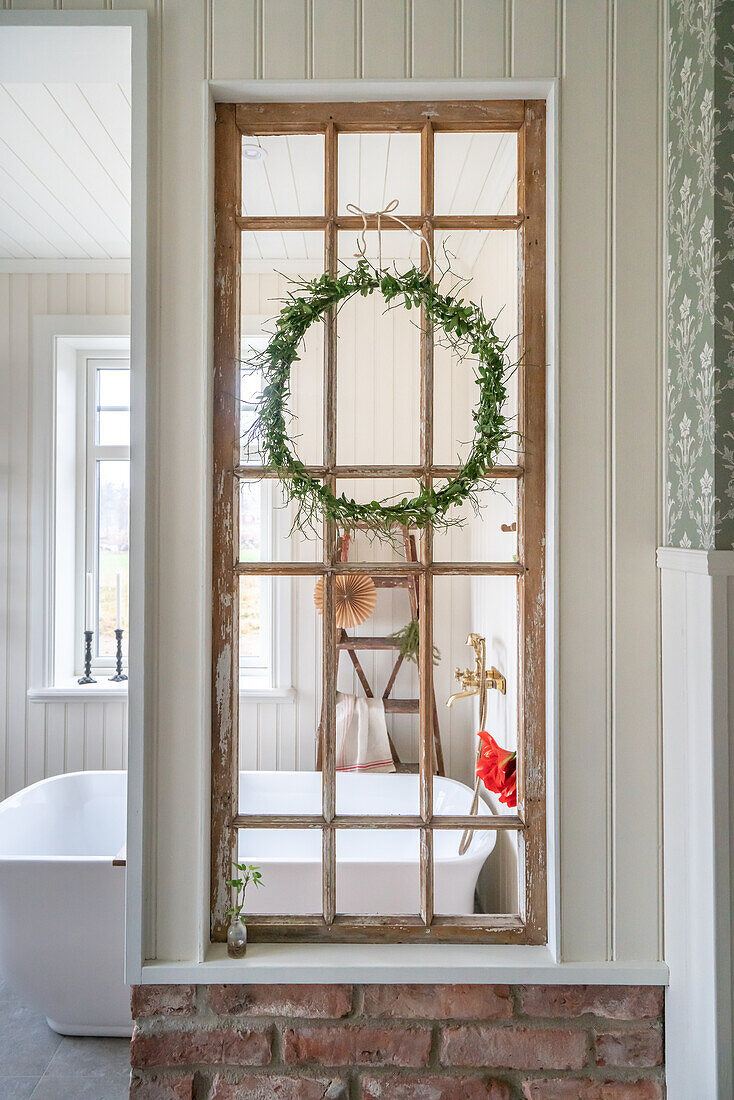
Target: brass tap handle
[(496, 681)]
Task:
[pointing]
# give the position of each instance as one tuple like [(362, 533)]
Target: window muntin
[(431, 917)]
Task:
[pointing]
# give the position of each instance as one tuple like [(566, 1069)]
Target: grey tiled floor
[(36, 1062)]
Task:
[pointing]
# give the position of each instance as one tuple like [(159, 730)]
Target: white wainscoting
[(698, 722), (40, 737)]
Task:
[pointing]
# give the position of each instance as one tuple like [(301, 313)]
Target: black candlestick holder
[(120, 675), (87, 678)]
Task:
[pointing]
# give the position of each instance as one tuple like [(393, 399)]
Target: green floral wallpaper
[(700, 308)]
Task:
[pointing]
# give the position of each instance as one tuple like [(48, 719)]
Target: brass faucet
[(471, 678)]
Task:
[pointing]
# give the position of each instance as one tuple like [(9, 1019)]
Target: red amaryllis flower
[(497, 769)]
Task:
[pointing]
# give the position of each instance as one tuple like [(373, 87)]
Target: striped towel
[(362, 743)]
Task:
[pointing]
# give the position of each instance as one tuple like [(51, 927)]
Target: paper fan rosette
[(355, 597)]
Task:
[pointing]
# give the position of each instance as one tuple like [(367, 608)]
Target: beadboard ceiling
[(64, 171)]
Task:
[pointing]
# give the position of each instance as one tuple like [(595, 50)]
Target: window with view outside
[(108, 500)]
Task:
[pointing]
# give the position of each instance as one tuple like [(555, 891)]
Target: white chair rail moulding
[(698, 728)]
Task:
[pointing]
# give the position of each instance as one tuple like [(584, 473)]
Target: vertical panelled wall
[(607, 54), (40, 738)]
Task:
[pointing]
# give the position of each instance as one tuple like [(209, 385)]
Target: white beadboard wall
[(38, 739), (607, 55)]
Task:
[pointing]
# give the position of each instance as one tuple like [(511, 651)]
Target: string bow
[(380, 214)]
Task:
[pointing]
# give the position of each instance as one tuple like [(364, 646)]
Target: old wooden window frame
[(233, 121)]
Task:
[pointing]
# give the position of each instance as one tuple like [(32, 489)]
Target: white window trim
[(439, 962), (60, 344)]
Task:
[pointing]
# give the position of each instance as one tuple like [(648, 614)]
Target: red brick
[(162, 1088), (439, 1002), (514, 1047), (615, 1002), (308, 1001), (268, 1087), (161, 1000), (434, 1088), (592, 1090), (359, 1046), (218, 1047), (641, 1046)]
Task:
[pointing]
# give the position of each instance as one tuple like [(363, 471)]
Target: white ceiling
[(64, 171), (34, 54), (475, 174)]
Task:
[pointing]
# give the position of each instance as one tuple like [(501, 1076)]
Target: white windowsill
[(72, 692), (258, 691), (421, 963)]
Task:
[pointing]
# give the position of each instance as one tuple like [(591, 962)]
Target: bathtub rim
[(13, 800)]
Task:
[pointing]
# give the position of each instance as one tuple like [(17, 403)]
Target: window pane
[(252, 607), (378, 353), (270, 263), (250, 521), (280, 621), (251, 380), (113, 429), (113, 386), (476, 173), (481, 880), (374, 169), (377, 735), (488, 534), (283, 175), (488, 606), (377, 870), (113, 507), (362, 545), (488, 261), (288, 859), (266, 525)]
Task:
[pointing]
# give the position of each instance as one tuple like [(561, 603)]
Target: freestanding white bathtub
[(62, 902)]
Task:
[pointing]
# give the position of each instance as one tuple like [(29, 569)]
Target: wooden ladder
[(353, 645)]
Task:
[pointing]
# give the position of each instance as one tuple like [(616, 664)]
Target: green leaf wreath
[(467, 331)]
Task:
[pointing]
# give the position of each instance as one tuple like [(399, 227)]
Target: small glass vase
[(237, 938)]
